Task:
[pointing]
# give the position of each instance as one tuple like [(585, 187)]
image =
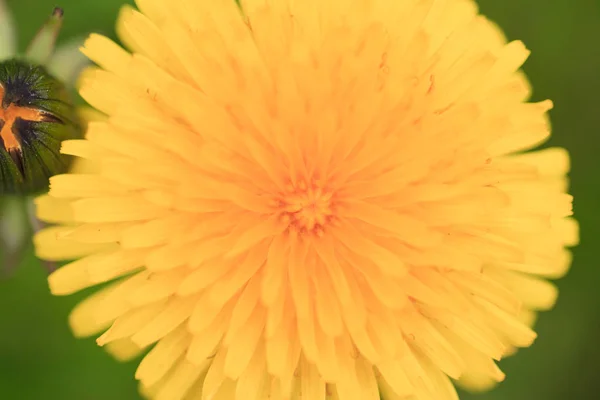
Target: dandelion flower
[(310, 200)]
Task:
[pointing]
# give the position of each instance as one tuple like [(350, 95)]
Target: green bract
[(36, 115)]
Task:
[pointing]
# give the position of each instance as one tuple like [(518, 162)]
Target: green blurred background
[(40, 360)]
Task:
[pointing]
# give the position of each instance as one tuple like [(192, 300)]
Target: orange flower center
[(307, 207), (8, 116), (8, 135)]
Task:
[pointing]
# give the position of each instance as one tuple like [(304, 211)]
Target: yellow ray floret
[(310, 200)]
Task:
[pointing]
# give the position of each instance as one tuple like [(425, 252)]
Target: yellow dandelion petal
[(124, 350), (106, 53), (310, 199), (163, 356), (53, 210)]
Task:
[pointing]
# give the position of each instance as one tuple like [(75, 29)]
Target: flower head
[(36, 113), (310, 199)]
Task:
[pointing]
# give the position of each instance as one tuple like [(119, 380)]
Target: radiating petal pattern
[(311, 199)]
